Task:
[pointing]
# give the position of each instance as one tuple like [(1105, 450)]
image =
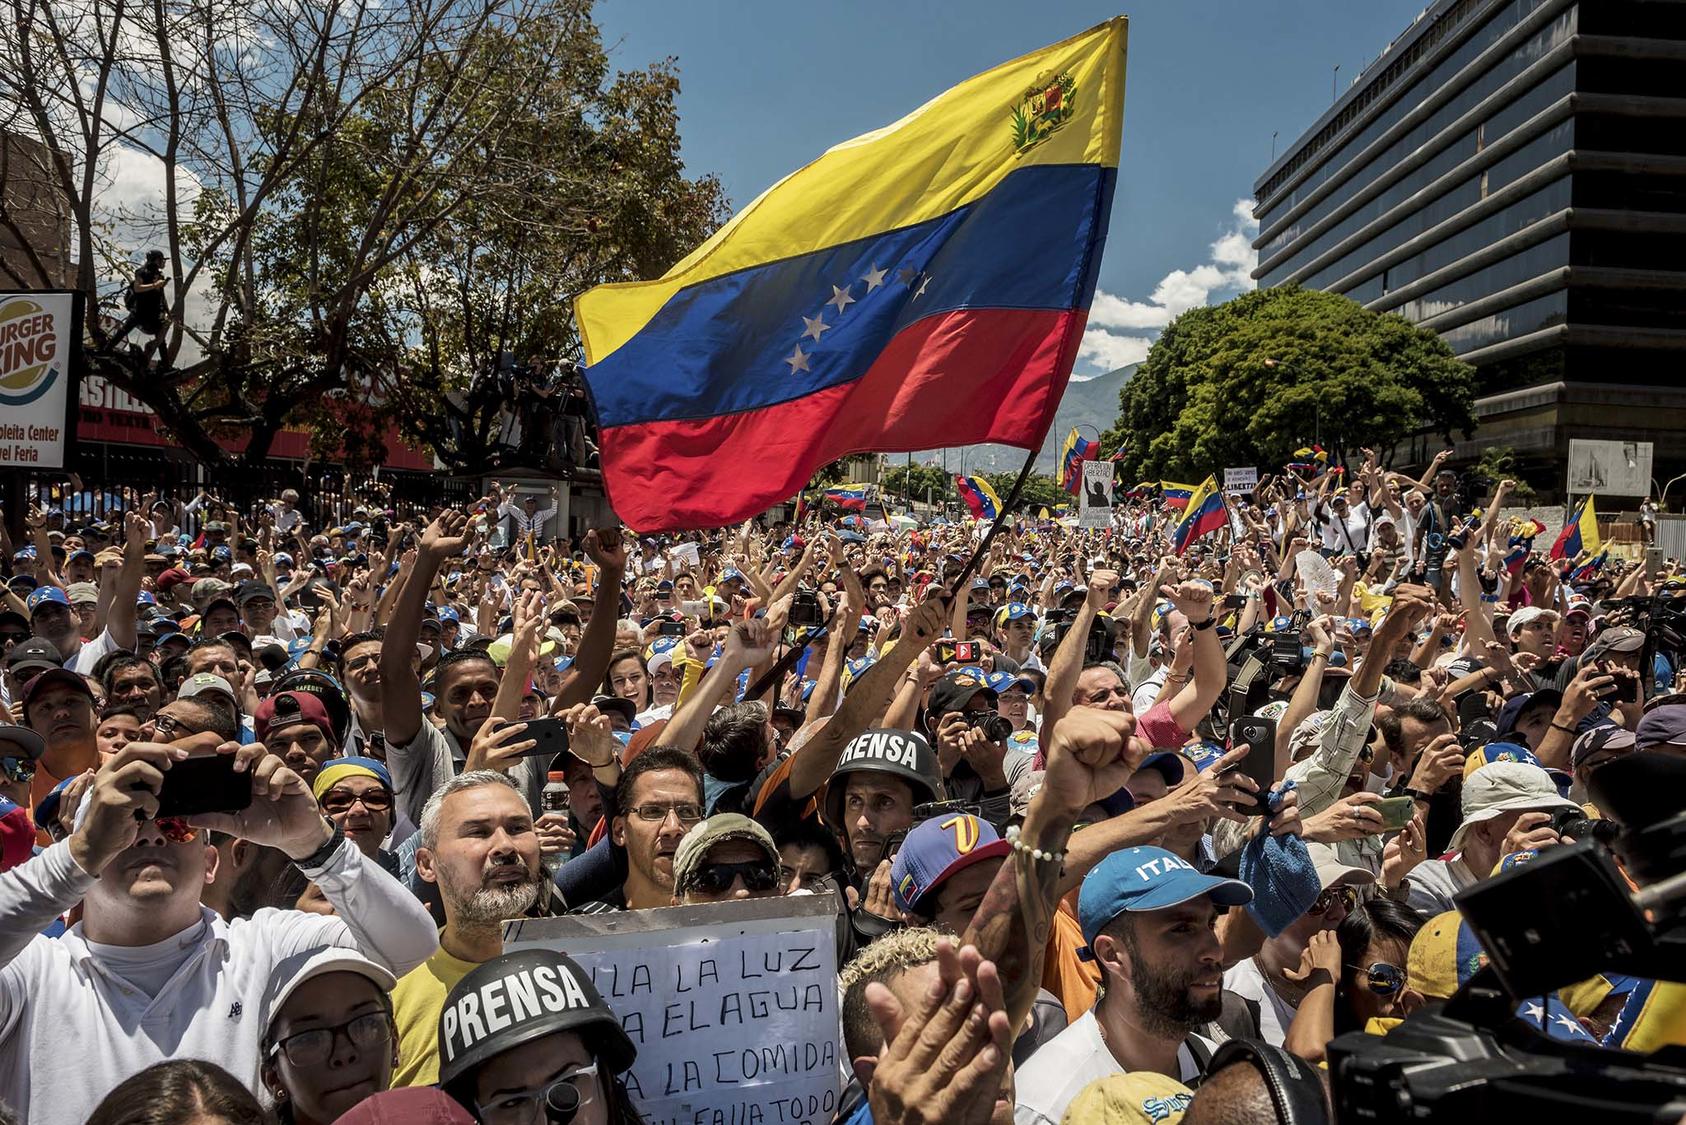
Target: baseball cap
[(1003, 682), (618, 704), (171, 578), (937, 850), (956, 689), (1126, 1099), (1483, 756), (291, 708), (1664, 726), (1527, 615), (55, 677), (408, 1105), (1599, 740), (32, 745), (42, 595), (202, 683), (1512, 711), (300, 968), (1621, 638), (248, 591), (206, 588), (694, 846), (1331, 872), (1146, 878), (82, 593), (1502, 787), (1168, 764), (33, 655)]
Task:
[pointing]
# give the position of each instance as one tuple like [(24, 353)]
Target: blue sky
[(766, 87)]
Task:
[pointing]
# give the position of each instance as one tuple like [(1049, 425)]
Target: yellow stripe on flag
[(950, 152)]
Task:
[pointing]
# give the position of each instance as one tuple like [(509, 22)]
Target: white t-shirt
[(1350, 536), (1275, 1013), (1070, 1061), (89, 653)]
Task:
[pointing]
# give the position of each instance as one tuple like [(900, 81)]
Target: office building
[(1512, 175)]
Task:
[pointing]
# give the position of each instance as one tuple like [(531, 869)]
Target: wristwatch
[(1416, 794), (326, 852)]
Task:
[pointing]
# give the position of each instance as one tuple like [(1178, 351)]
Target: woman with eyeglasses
[(331, 1041), (1356, 973)]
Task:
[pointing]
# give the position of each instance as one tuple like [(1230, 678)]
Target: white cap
[(1501, 787), (1331, 872), (292, 973), (1526, 615)]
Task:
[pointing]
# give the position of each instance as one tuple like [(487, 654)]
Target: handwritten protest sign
[(732, 1006)]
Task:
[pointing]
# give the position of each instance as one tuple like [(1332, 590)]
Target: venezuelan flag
[(926, 281), (980, 499), (851, 498), (1074, 450), (1175, 495), (1205, 514), (1580, 532)]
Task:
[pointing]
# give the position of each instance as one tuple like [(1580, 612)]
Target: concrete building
[(34, 218), (1512, 175)]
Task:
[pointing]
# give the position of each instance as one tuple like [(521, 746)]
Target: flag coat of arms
[(925, 284)]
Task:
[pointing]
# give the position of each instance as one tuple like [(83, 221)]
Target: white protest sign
[(1241, 480), (38, 335), (1096, 507), (732, 1007), (685, 554)]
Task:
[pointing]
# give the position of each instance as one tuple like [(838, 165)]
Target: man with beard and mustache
[(1149, 919), (146, 953), (479, 847)]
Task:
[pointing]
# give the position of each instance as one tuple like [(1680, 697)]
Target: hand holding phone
[(1396, 812)]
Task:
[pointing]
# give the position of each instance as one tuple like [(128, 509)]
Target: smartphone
[(670, 629), (1235, 601), (1259, 736), (1653, 562), (550, 737), (203, 784), (968, 652), (893, 844), (1396, 812)]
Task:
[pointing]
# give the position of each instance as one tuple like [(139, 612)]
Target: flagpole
[(1008, 503)]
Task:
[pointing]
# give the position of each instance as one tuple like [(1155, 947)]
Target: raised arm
[(606, 547), (1211, 672), (121, 622), (747, 644), (401, 708)]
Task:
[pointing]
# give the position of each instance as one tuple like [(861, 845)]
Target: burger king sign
[(37, 331)]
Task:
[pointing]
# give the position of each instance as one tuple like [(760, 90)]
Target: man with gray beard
[(479, 847)]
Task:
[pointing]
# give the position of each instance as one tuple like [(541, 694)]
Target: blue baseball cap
[(448, 613), (1281, 623), (80, 554), (1168, 763), (937, 850), (1003, 682), (1142, 879), (44, 594)]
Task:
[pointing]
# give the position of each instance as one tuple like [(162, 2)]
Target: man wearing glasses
[(658, 800), (20, 749), (147, 954)]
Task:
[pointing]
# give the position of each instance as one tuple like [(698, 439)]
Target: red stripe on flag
[(958, 378)]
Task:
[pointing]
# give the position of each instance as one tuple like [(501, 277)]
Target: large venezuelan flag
[(1175, 495), (922, 285)]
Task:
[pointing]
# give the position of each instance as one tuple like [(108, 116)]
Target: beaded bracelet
[(1038, 854)]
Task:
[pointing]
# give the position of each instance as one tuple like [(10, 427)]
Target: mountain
[(1090, 404)]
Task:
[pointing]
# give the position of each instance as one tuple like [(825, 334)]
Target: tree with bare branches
[(362, 204)]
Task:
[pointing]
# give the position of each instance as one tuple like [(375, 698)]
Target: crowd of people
[(270, 791)]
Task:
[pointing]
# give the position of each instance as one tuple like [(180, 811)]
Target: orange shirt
[(1075, 982)]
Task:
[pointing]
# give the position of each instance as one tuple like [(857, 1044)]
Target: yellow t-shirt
[(416, 1004)]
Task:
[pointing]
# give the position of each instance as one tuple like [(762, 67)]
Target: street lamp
[(1662, 494)]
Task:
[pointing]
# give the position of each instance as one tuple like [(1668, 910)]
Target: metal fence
[(108, 479)]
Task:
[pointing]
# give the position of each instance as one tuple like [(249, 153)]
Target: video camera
[(1560, 918)]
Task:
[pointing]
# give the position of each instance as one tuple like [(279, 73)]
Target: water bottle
[(554, 799)]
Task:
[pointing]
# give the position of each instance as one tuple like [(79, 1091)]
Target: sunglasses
[(1326, 901), (1382, 978), (717, 878), (12, 638), (176, 830), (341, 800)]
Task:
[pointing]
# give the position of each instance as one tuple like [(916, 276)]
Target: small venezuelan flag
[(930, 278), (1205, 514), (980, 499), (1175, 495), (1580, 532), (851, 498), (1073, 452)]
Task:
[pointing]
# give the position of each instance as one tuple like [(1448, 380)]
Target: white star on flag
[(920, 292), (840, 298), (1533, 1012), (797, 359), (874, 277), (1568, 1024), (816, 326)]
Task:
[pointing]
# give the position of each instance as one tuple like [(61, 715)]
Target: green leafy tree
[(1250, 381), (917, 482), (1499, 462)]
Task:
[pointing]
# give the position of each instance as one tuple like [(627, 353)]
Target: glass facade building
[(1512, 175)]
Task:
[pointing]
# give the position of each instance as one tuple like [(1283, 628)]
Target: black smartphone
[(893, 843), (1235, 601), (550, 737), (204, 784), (1472, 705), (670, 629), (1259, 736)]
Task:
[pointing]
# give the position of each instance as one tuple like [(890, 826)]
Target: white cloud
[(1227, 271)]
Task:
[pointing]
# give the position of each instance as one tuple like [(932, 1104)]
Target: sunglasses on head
[(717, 878), (1381, 978)]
